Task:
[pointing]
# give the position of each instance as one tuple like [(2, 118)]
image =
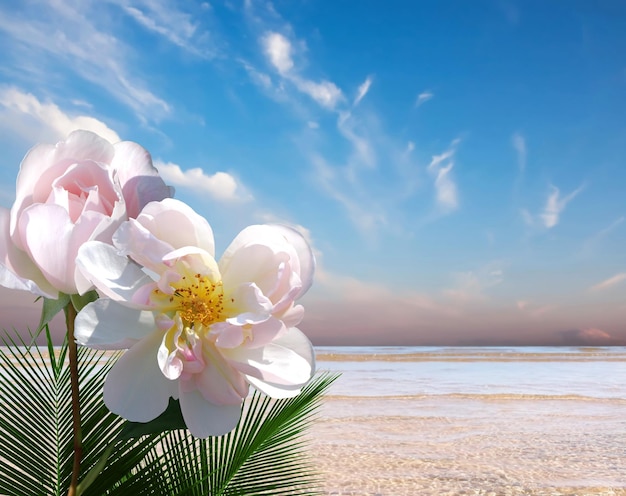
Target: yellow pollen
[(196, 299)]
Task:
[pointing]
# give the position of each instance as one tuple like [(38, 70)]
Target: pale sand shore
[(448, 446)]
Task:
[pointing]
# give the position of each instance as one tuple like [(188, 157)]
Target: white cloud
[(45, 37), (278, 49), (609, 283), (220, 186), (21, 109), (555, 206), (519, 144), (362, 91), (423, 98), (325, 93), (446, 191), (173, 24)]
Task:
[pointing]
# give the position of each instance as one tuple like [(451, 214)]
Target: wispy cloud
[(221, 186), (519, 144), (175, 25), (609, 283), (362, 91), (279, 51), (25, 114), (446, 191), (423, 98), (471, 285), (555, 205), (43, 36), (591, 242)]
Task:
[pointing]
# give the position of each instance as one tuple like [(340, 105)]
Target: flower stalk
[(70, 316)]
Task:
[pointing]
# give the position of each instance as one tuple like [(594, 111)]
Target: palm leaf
[(36, 436), (265, 454)]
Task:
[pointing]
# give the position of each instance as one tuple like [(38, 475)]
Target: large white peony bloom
[(197, 330)]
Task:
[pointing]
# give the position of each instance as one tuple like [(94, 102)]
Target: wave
[(579, 356), (478, 396)]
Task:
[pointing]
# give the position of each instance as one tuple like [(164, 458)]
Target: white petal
[(205, 419), (141, 245), (113, 275), (305, 255), (289, 360), (140, 181), (52, 241), (278, 391), (17, 270), (177, 224), (104, 324), (135, 388)]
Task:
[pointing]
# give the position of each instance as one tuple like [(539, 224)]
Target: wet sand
[(471, 446)]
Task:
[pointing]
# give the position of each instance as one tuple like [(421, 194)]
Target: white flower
[(197, 330)]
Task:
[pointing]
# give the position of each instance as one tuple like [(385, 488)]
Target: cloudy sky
[(459, 167)]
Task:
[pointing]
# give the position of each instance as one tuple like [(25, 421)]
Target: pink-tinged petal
[(304, 252), (17, 270), (51, 240), (44, 163), (249, 336), (114, 275), (135, 388), (258, 263), (277, 391), (248, 304), (196, 260), (204, 419), (220, 383), (286, 361), (296, 341), (88, 179), (104, 324), (169, 362), (177, 224), (139, 179), (136, 241), (292, 316)]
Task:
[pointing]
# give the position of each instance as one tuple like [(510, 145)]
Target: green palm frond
[(265, 454), (36, 437)]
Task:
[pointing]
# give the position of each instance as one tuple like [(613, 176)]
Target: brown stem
[(70, 315)]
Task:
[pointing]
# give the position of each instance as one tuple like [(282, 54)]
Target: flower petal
[(298, 343), (114, 275), (104, 324), (305, 254), (204, 419), (17, 270), (135, 388), (139, 179), (289, 360), (141, 245), (44, 163), (177, 224)]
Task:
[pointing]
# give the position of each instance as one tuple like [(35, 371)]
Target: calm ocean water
[(485, 371)]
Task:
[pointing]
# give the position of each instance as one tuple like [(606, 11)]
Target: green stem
[(70, 316)]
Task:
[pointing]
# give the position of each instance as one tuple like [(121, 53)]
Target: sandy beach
[(511, 443), (491, 448)]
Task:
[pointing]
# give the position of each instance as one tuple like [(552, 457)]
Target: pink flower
[(78, 190)]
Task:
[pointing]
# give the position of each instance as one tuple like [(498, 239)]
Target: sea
[(473, 420)]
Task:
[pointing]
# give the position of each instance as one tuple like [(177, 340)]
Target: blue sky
[(459, 167)]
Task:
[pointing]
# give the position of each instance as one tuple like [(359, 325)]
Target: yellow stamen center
[(197, 300)]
